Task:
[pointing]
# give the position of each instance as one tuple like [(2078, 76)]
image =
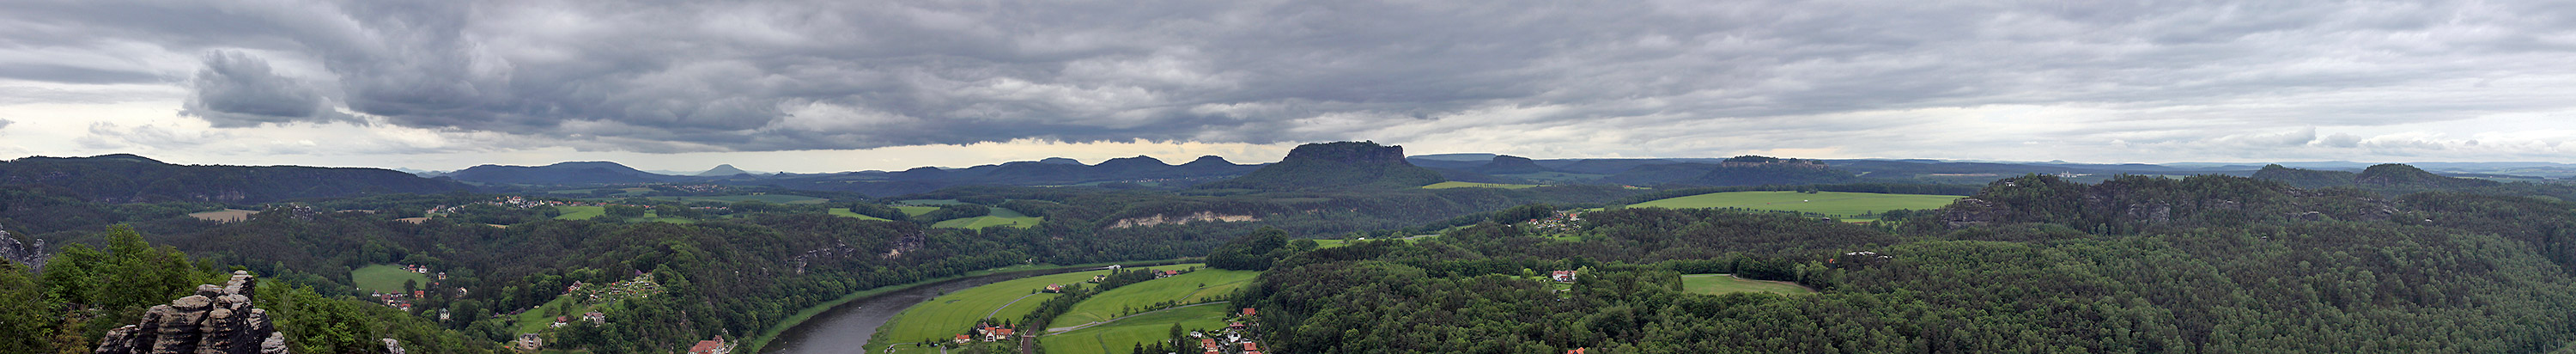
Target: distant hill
[(723, 170), (1507, 164), (2404, 176), (125, 178), (1336, 165), (2304, 178), (584, 172)]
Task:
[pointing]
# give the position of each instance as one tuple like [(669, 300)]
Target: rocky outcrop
[(217, 320), (33, 255), (1972, 211), (1159, 219)]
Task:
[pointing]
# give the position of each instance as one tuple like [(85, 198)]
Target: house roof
[(706, 346)]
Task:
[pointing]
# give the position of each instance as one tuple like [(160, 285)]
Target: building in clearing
[(716, 346), (1562, 275)]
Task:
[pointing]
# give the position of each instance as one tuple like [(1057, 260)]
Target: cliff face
[(217, 320), (32, 255)]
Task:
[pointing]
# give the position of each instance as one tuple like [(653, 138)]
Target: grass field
[(1840, 205), (999, 217), (1122, 336), (385, 278), (845, 212), (1330, 243), (1457, 184), (226, 215), (1721, 284), (769, 198), (580, 212), (954, 313), (1194, 287), (910, 210)]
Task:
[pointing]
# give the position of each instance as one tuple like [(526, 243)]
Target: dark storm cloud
[(237, 90), (785, 75)]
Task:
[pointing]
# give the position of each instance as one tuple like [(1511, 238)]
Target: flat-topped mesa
[(217, 320)]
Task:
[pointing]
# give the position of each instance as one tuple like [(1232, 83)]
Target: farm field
[(226, 215), (910, 210), (621, 192), (952, 314), (1194, 287), (1122, 336), (385, 278), (1722, 283), (1457, 184), (845, 212), (1557, 177), (999, 217), (580, 212), (1330, 242), (767, 198), (1841, 205)]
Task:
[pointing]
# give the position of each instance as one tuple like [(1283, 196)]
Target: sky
[(822, 86)]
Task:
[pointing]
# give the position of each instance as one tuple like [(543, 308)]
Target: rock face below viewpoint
[(217, 320)]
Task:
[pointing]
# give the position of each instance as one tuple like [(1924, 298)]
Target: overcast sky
[(815, 86)]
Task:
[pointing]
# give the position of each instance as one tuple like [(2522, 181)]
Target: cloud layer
[(2266, 79)]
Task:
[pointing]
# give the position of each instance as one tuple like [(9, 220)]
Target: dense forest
[(2032, 264), (2387, 260)]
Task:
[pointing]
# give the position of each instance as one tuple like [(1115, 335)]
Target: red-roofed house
[(961, 339), (716, 346), (1575, 351), (1055, 288), (1209, 343), (1250, 347), (1247, 311), (1562, 275)]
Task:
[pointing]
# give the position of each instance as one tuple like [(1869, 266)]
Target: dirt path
[(998, 310), (1053, 331)]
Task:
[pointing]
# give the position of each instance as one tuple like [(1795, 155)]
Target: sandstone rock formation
[(217, 320), (22, 253)]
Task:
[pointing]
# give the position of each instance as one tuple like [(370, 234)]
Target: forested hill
[(2386, 177), (2210, 264), (123, 178), (1336, 165), (560, 173)]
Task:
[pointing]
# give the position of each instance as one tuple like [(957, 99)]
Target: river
[(846, 328)]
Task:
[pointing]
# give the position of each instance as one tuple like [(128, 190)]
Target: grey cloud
[(75, 74), (789, 75), (238, 90)]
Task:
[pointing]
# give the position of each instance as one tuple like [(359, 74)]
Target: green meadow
[(1194, 287), (1457, 184), (999, 217), (1124, 335), (948, 315), (1721, 284), (385, 278), (845, 212), (768, 198), (1841, 205), (580, 212)]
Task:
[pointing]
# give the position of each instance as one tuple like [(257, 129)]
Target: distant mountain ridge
[(577, 172), (127, 178), (723, 171)]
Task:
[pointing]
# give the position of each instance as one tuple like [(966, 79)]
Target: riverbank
[(808, 313)]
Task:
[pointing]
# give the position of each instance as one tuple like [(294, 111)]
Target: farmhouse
[(1055, 288), (961, 339), (1562, 276), (595, 318), (716, 346)]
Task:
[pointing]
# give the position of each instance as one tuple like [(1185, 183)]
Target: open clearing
[(949, 315), (1722, 283), (1322, 243), (385, 278), (1457, 184), (909, 210), (1841, 205), (1123, 335), (1190, 288), (845, 212), (580, 212), (999, 217), (767, 198), (226, 215)]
